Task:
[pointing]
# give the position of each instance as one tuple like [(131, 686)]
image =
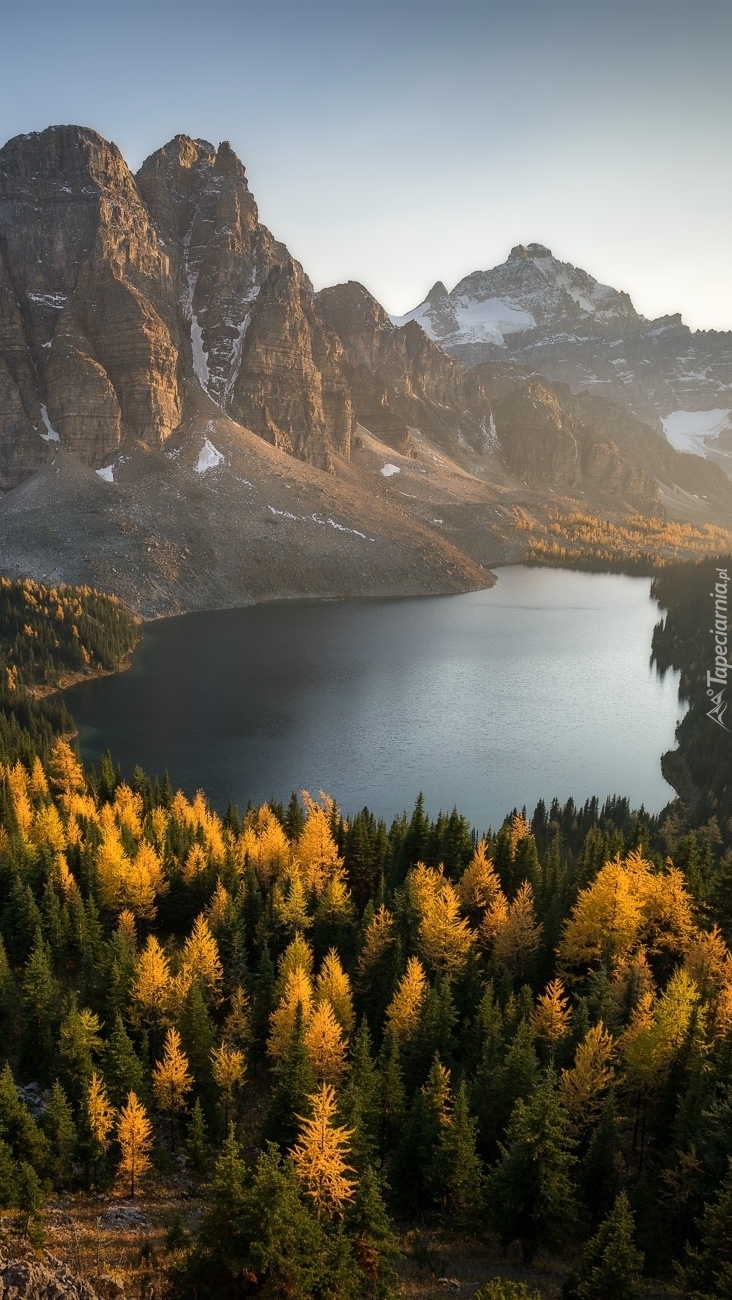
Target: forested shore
[(345, 1038)]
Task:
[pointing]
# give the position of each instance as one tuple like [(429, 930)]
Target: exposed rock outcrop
[(41, 1279)]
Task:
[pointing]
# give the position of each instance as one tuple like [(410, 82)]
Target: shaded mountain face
[(555, 317)]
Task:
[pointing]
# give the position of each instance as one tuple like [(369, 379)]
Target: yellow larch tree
[(200, 958), (128, 811), (518, 937), (298, 992), (335, 905), (316, 853), (708, 961), (65, 771), (657, 1032), (229, 1069), (298, 955), (264, 842), (584, 1085), (324, 1044), (143, 883), (404, 1009), (444, 936), (47, 830), (334, 986), (218, 905), (99, 1114), (134, 1134), (290, 902), (628, 905), (238, 1023), (478, 886), (152, 981), (552, 1014), (172, 1080), (320, 1156), (196, 862), (37, 783), (379, 937)]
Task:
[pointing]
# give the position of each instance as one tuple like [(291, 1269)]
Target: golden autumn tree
[(134, 1135), (298, 992), (403, 1011), (334, 986), (320, 1156), (324, 1044), (152, 981), (379, 938), (172, 1080), (229, 1070), (99, 1116), (316, 852), (65, 771), (584, 1085), (444, 936), (478, 886), (628, 905), (518, 937), (290, 902), (200, 959), (552, 1014)]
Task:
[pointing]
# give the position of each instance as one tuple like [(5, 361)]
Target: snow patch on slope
[(488, 321), (690, 430), (208, 457), (389, 469), (50, 435), (107, 473)]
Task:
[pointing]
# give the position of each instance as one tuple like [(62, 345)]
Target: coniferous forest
[(346, 1041)]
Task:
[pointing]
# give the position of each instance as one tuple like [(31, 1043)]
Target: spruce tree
[(530, 1191), (707, 1270), (295, 1085), (457, 1176), (611, 1265), (123, 1070)]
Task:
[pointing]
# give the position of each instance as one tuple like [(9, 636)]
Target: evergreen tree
[(293, 1089), (530, 1188), (611, 1265), (457, 1179), (390, 1093), (61, 1132), (197, 1145), (123, 1070), (707, 1270)]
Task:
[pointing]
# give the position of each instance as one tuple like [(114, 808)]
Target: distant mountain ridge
[(556, 318)]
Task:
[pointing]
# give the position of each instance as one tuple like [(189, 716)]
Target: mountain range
[(183, 420)]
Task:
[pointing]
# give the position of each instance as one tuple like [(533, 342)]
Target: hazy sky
[(398, 142)]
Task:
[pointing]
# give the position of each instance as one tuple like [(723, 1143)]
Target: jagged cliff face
[(89, 356), (399, 378), (124, 299)]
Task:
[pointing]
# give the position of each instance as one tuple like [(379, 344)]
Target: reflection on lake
[(489, 700)]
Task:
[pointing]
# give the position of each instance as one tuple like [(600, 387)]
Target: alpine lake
[(539, 686)]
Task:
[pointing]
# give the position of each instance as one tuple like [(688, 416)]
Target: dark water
[(540, 686)]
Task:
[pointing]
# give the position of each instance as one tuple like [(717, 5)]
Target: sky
[(400, 142)]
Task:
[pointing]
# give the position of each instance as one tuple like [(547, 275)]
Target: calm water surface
[(538, 687)]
